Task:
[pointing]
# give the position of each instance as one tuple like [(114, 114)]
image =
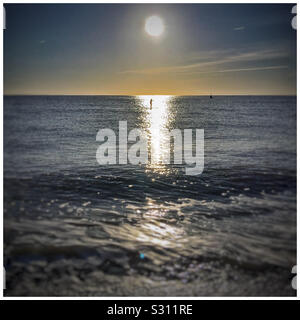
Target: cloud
[(215, 59), (239, 28), (246, 69)]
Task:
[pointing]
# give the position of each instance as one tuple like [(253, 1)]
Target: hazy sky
[(104, 49)]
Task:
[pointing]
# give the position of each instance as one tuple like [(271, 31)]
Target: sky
[(104, 49)]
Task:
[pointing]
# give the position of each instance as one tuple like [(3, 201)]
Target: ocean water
[(73, 227)]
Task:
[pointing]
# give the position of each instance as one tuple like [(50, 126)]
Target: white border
[(1, 158)]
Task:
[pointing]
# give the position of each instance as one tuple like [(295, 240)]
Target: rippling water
[(73, 227)]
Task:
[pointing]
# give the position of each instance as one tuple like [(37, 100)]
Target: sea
[(74, 227)]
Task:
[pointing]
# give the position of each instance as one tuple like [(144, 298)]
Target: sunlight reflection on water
[(156, 120)]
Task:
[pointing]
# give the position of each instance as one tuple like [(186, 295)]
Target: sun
[(154, 26)]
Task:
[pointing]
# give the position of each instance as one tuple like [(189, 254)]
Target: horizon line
[(134, 95)]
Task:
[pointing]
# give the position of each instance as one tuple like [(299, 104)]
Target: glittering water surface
[(73, 227)]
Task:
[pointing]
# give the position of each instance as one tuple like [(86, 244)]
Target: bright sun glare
[(154, 26)]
